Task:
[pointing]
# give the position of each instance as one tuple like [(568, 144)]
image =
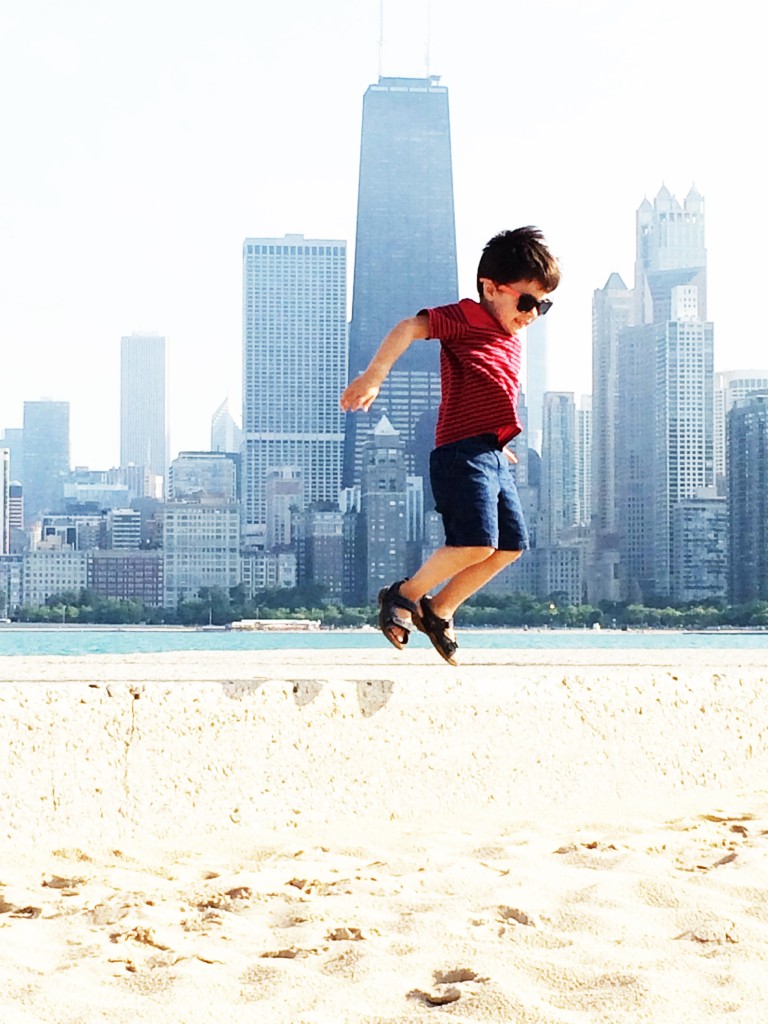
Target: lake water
[(72, 641)]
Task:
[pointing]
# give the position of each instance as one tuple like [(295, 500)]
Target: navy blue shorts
[(474, 489)]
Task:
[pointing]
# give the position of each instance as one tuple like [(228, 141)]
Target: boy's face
[(503, 301)]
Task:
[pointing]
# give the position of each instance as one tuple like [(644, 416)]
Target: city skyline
[(653, 352), (153, 181)]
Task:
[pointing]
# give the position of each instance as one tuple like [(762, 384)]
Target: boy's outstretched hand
[(360, 393), (363, 391)]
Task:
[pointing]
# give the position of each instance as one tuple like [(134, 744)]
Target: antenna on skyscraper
[(381, 37)]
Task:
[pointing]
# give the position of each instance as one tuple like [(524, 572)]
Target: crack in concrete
[(129, 741)]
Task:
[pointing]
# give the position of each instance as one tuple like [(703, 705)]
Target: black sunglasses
[(528, 302)]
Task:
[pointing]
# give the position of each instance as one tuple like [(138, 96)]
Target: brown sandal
[(436, 629), (390, 599)]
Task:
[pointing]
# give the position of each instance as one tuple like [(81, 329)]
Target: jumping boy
[(470, 467)]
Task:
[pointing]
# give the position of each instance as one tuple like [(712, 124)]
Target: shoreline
[(11, 627)]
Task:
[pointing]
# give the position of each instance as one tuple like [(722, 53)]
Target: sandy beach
[(374, 837)]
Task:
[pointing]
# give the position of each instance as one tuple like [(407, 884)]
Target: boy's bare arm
[(363, 390)]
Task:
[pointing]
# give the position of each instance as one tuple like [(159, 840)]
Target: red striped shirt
[(480, 373)]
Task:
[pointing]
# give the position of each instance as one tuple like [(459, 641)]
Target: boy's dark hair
[(519, 255)]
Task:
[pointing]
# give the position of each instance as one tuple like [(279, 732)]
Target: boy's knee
[(507, 557), (476, 552)]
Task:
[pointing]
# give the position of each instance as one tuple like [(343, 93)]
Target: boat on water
[(277, 625)]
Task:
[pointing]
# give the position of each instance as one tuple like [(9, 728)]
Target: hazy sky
[(143, 141)]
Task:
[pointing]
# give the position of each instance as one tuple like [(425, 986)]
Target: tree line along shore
[(220, 608)]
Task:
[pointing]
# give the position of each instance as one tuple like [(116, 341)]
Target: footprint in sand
[(729, 834), (231, 900), (445, 989), (25, 913), (109, 913), (711, 931), (512, 914), (144, 936), (66, 886), (345, 935)]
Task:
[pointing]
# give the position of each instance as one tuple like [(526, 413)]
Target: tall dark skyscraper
[(405, 254), (747, 459)]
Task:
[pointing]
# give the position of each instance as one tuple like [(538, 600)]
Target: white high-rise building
[(294, 365), (558, 465), (730, 387), (5, 501), (683, 421), (536, 376), (143, 403)]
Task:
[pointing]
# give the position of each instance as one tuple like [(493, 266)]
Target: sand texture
[(374, 837)]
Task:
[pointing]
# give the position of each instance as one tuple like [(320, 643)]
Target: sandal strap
[(434, 618), (394, 598), (435, 627)]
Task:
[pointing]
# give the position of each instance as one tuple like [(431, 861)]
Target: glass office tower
[(405, 255)]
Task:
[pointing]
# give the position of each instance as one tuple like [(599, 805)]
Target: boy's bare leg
[(467, 571), (442, 565), (469, 580)]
